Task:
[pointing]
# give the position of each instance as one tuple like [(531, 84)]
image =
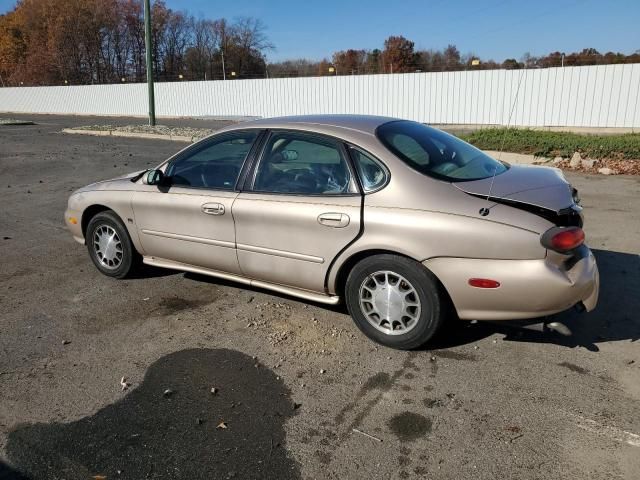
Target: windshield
[(436, 153)]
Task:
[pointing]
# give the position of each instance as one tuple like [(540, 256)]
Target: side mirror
[(153, 177)]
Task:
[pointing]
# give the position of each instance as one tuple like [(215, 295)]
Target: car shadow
[(143, 271), (339, 308), (170, 426), (612, 320)]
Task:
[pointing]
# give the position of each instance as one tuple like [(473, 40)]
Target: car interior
[(435, 153), (292, 165), (215, 166)]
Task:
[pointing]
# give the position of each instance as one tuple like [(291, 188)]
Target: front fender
[(81, 203)]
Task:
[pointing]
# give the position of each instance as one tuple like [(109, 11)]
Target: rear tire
[(110, 246), (395, 301)]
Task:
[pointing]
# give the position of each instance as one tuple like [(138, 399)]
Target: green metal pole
[(149, 49)]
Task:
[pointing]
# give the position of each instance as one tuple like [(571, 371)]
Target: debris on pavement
[(222, 426), (124, 384), (167, 393), (367, 435), (214, 391)]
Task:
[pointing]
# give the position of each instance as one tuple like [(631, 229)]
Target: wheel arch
[(90, 212), (345, 268)]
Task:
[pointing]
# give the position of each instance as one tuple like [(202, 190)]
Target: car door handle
[(335, 220), (213, 209)]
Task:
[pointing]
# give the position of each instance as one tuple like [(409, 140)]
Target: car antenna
[(484, 211)]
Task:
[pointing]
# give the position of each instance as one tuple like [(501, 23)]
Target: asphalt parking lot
[(301, 392)]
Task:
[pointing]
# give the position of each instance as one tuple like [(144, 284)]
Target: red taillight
[(483, 283), (563, 239)]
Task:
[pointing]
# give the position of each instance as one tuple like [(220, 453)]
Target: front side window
[(216, 164), (436, 153), (301, 164)]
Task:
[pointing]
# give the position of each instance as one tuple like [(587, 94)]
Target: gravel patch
[(195, 133), (607, 166)]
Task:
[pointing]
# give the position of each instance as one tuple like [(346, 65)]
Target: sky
[(491, 29)]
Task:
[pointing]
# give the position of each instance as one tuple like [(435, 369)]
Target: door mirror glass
[(153, 177)]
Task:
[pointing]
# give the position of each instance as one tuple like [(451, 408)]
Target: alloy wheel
[(389, 302), (107, 246)]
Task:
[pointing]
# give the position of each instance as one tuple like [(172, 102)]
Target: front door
[(190, 221), (302, 209)]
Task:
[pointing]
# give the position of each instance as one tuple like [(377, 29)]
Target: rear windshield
[(436, 153)]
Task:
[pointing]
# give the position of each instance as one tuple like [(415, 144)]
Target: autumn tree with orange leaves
[(398, 55), (45, 42)]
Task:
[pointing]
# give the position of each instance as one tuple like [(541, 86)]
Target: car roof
[(364, 124)]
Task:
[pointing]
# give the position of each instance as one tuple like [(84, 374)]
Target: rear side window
[(436, 153), (302, 164), (372, 174)]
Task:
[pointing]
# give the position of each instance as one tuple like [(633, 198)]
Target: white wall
[(593, 96)]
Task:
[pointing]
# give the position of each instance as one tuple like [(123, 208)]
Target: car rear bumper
[(528, 288)]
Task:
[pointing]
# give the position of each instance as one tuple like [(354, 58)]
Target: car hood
[(122, 180), (543, 187)]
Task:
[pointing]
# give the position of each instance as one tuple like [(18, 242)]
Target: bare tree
[(349, 62), (174, 43), (251, 42)]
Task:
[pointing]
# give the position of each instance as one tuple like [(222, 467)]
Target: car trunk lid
[(540, 190), (543, 187)]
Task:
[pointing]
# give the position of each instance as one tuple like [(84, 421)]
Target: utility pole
[(148, 48), (224, 73)]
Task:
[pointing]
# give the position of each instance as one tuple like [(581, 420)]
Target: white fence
[(592, 96)]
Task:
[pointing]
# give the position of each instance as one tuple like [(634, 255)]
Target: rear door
[(301, 208)]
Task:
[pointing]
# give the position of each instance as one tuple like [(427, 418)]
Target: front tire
[(110, 246), (395, 301)]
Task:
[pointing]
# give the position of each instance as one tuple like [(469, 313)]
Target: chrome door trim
[(280, 253), (188, 238)]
